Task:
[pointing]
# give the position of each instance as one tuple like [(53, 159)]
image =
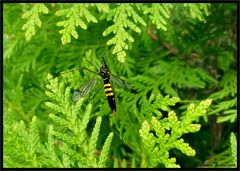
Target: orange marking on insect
[(108, 89), (109, 94), (107, 85), (114, 113)]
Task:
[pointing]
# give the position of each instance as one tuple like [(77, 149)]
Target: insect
[(107, 78)]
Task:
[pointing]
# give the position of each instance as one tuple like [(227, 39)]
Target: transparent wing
[(118, 81), (85, 89)]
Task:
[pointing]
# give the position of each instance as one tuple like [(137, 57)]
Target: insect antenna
[(61, 73), (92, 64), (103, 59), (90, 70)]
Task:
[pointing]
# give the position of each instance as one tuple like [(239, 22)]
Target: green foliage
[(33, 19), (23, 149), (157, 146), (159, 13), (75, 17), (226, 106), (227, 158), (198, 10), (67, 137), (104, 153), (77, 127), (120, 17), (233, 142), (165, 52)]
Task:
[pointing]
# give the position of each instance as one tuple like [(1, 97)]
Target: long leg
[(64, 72), (97, 91)]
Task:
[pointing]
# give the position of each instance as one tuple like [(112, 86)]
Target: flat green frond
[(233, 142), (105, 151), (194, 112), (147, 137), (68, 118), (157, 145), (33, 19), (83, 125), (156, 103), (184, 147), (78, 15), (102, 7), (171, 163), (228, 115), (51, 151), (58, 120), (162, 78), (34, 140), (93, 142), (226, 158), (163, 102), (18, 143), (159, 14), (57, 92), (223, 105), (228, 84), (226, 98), (124, 163), (133, 164), (199, 11), (65, 137), (66, 161), (122, 22)]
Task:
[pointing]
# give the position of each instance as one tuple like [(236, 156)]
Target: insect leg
[(97, 91)]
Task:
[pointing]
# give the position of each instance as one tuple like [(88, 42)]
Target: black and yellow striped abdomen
[(110, 95)]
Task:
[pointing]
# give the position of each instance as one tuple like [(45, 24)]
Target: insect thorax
[(103, 72)]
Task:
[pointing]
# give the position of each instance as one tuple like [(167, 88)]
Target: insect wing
[(118, 81), (85, 89), (76, 95)]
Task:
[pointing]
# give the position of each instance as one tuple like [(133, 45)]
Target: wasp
[(108, 78)]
